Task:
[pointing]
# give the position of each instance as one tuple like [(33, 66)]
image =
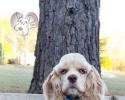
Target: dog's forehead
[(73, 56), (73, 60), (23, 19)]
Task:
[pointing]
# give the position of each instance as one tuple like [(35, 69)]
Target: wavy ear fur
[(51, 87), (94, 86)]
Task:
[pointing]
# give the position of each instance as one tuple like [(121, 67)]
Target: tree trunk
[(65, 26)]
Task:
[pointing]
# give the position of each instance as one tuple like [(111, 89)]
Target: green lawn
[(17, 79), (115, 83)]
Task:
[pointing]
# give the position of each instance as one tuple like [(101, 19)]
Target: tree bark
[(65, 26)]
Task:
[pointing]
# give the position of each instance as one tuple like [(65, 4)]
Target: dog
[(73, 78), (23, 24)]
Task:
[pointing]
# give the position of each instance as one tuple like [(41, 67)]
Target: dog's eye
[(63, 71), (82, 71)]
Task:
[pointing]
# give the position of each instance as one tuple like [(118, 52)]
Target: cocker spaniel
[(73, 78)]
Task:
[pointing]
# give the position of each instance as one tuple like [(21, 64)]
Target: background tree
[(65, 26), (105, 59)]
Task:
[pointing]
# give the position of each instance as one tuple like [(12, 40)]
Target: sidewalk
[(16, 96)]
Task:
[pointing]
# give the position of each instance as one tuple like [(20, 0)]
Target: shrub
[(12, 61)]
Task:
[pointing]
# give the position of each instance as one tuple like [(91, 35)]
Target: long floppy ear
[(15, 19), (51, 87), (32, 20), (94, 85)]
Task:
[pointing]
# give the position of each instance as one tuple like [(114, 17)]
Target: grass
[(16, 79), (115, 83)]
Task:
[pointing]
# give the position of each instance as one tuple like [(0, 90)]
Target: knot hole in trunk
[(71, 11)]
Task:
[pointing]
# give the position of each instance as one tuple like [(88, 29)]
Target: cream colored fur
[(88, 86)]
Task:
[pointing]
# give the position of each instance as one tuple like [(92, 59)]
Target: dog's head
[(23, 24), (73, 76)]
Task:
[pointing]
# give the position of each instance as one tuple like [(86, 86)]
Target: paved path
[(16, 96), (11, 96)]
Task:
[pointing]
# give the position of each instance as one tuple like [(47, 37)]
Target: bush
[(104, 56), (12, 61), (106, 63)]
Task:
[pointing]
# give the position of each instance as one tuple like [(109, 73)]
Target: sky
[(8, 7), (112, 13), (112, 17)]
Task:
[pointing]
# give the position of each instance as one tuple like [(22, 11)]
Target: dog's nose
[(72, 78), (20, 28)]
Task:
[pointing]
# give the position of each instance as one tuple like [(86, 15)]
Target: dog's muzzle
[(72, 78)]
